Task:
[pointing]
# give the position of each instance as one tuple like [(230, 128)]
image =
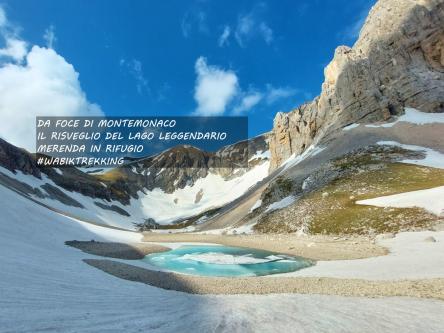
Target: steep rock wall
[(397, 61)]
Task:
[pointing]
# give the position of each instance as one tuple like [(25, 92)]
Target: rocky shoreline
[(430, 288), (131, 251), (313, 247), (317, 247)]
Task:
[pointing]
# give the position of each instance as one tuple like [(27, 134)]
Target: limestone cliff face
[(397, 61)]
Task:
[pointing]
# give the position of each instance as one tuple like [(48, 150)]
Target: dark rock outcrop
[(172, 169), (182, 166)]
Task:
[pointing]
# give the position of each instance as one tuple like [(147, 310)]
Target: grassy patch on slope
[(337, 211), (332, 209)]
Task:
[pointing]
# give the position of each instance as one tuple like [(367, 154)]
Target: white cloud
[(135, 69), (268, 96), (244, 28), (45, 84), (50, 37), (185, 26), (251, 26), (247, 103), (215, 88), (2, 17), (195, 19), (15, 49), (266, 32), (223, 39), (218, 91), (275, 94)]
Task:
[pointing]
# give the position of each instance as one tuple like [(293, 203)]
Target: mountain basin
[(228, 261)]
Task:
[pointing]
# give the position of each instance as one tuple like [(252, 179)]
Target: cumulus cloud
[(215, 88), (223, 38), (44, 84), (218, 91), (15, 49)]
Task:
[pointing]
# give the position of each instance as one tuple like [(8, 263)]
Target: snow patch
[(89, 212), (409, 258), (156, 203), (350, 127), (202, 219), (256, 205), (296, 159), (414, 116), (260, 155), (432, 200), (433, 158), (306, 183), (218, 191), (287, 201), (246, 229), (41, 278)]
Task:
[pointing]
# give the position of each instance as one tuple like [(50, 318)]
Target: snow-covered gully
[(45, 286)]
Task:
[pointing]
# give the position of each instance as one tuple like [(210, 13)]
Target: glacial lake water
[(228, 261)]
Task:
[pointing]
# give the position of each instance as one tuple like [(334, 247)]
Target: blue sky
[(244, 57)]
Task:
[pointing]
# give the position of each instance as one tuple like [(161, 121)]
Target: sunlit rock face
[(397, 61)]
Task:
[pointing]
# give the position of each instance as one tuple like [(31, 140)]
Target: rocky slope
[(182, 166), (160, 187), (324, 202), (397, 61)]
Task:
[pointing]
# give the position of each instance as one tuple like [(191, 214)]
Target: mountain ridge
[(392, 65), (397, 61)]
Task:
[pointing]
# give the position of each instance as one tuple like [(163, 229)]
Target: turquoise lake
[(211, 260)]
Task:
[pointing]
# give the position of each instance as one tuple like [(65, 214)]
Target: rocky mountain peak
[(397, 61), (183, 165), (13, 158)]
